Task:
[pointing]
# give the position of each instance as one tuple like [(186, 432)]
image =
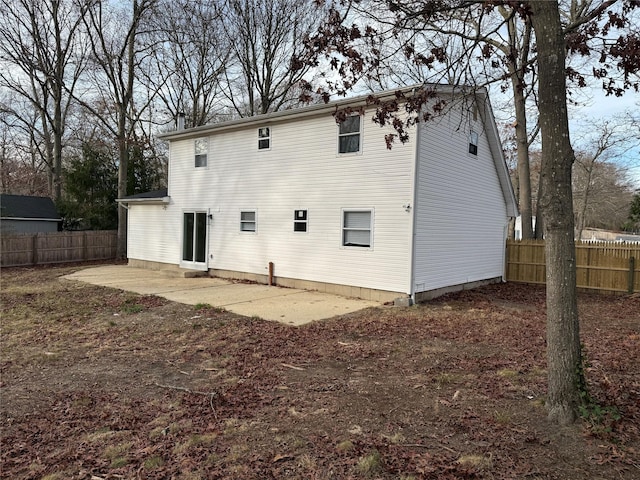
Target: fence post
[(632, 271), (85, 247), (35, 249)]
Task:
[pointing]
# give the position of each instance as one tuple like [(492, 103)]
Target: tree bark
[(563, 330)]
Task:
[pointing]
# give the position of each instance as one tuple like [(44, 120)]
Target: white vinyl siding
[(154, 234), (304, 169), (460, 209)]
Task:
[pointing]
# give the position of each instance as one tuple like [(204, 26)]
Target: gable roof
[(24, 207), (315, 109), (481, 95)]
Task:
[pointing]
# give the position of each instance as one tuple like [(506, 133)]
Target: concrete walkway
[(286, 305)]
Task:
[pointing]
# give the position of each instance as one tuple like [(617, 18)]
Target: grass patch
[(117, 454), (370, 464), (197, 440), (153, 462), (508, 373), (478, 462), (130, 307), (345, 446)]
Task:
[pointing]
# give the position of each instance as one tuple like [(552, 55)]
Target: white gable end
[(460, 213)]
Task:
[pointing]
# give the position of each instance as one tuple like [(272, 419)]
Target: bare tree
[(193, 58), (43, 60), (601, 192), (264, 36), (110, 95)]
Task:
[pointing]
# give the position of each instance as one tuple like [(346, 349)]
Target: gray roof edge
[(34, 219), (315, 109)]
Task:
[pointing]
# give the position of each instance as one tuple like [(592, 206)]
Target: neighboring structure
[(25, 214), (600, 235), (517, 232), (325, 206)]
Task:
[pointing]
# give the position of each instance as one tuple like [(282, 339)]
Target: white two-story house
[(329, 207)]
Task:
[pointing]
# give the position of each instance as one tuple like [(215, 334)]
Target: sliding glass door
[(194, 240)]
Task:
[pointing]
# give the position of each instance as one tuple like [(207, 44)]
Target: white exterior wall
[(460, 212), (153, 234), (302, 170)]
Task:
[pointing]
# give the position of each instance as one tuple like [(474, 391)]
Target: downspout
[(413, 213)]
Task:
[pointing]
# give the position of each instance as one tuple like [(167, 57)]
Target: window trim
[(262, 139), (248, 222), (359, 133), (304, 222), (344, 212), (196, 154)]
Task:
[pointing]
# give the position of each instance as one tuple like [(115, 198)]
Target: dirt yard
[(102, 384)]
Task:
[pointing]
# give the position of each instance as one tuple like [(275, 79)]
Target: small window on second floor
[(264, 138), (201, 146), (473, 143), (349, 135)]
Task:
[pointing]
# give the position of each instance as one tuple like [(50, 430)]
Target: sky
[(602, 107)]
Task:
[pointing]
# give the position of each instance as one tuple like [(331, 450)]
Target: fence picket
[(57, 247), (602, 266)]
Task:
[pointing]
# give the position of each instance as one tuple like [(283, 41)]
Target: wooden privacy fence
[(58, 247), (604, 266)]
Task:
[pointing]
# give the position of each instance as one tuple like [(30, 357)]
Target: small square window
[(201, 146), (473, 143), (264, 138), (349, 135), (300, 221), (356, 228), (248, 221)]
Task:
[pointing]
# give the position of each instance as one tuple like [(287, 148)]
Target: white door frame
[(197, 260)]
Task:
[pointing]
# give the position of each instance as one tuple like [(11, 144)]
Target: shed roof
[(26, 207)]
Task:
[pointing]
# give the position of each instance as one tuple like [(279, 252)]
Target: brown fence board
[(57, 247), (602, 266)]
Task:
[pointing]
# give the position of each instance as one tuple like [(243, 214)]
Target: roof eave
[(148, 201), (301, 112)]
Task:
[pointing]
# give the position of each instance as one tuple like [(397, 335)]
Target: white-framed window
[(264, 138), (357, 228), (473, 143), (248, 221), (300, 219), (350, 134), (201, 148)]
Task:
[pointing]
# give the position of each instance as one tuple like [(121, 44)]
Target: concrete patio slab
[(287, 305)]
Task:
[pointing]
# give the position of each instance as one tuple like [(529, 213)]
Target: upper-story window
[(473, 143), (349, 134), (264, 138), (201, 147)]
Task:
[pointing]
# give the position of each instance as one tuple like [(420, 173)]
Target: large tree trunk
[(563, 330)]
